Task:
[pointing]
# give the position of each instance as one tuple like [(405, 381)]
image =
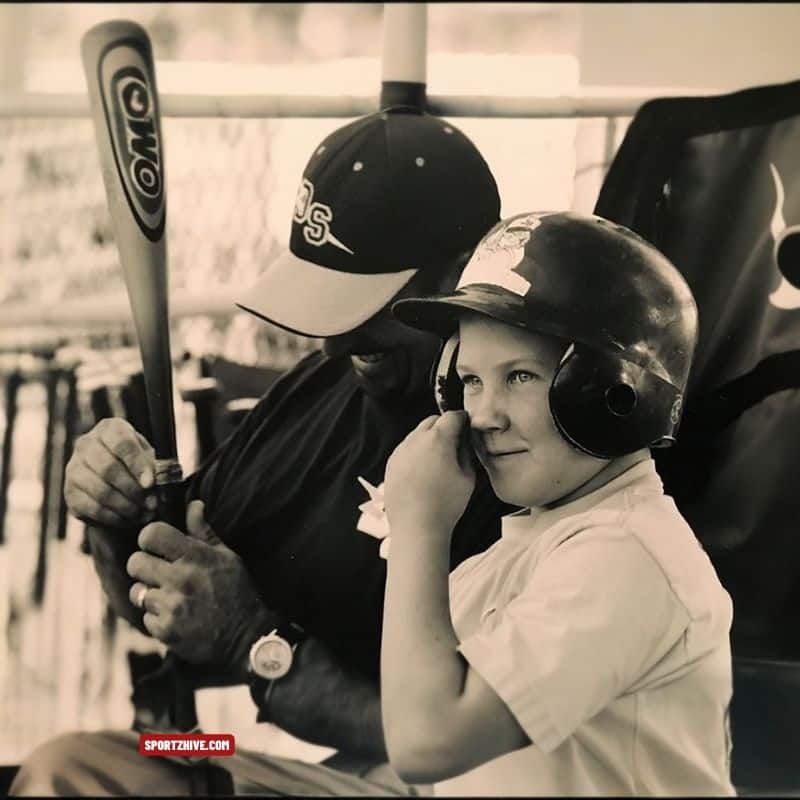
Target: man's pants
[(108, 763)]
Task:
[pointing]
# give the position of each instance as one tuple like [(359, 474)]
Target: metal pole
[(14, 35), (50, 380), (13, 381), (404, 55), (275, 106), (70, 423)]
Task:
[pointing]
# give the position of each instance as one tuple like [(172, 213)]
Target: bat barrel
[(118, 62)]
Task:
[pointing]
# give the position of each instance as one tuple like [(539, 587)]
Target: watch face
[(272, 658)]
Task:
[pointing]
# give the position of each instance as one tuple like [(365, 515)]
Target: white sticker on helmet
[(498, 254)]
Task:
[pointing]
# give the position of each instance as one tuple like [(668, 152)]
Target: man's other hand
[(109, 476), (201, 601)]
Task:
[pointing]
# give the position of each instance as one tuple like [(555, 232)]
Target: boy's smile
[(497, 455)]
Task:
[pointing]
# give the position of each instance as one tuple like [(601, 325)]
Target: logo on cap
[(315, 217), (675, 411)]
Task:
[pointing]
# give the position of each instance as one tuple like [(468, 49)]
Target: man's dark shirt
[(282, 492)]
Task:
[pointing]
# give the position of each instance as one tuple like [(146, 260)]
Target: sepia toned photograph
[(289, 290)]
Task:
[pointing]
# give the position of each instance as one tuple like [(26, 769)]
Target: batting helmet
[(627, 312)]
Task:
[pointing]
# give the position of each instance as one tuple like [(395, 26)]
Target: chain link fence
[(56, 242)]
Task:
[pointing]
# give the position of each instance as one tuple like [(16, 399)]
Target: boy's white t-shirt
[(602, 625)]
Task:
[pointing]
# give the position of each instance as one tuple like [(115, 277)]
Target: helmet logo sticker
[(315, 217), (499, 254), (786, 296), (675, 411)]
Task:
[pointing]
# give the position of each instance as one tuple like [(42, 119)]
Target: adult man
[(389, 206)]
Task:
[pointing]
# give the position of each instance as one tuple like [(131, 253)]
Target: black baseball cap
[(381, 198)]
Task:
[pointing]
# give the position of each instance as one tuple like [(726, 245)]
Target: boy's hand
[(430, 475)]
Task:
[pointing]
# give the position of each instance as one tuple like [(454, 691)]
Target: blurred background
[(67, 350)]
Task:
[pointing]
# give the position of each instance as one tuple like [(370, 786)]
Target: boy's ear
[(447, 387)]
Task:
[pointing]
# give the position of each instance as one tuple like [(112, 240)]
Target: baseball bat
[(118, 63)]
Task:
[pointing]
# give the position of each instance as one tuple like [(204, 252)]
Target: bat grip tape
[(169, 491)]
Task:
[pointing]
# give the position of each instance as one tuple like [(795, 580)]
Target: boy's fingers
[(466, 455), (451, 423), (427, 423)]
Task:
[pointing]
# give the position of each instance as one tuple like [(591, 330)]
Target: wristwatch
[(271, 658)]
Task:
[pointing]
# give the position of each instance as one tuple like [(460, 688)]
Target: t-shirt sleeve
[(595, 616)]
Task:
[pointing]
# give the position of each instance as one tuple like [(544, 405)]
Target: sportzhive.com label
[(187, 744)]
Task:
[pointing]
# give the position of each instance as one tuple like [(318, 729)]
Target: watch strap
[(291, 632), (261, 691)]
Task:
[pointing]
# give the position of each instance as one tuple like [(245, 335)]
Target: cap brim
[(310, 300)]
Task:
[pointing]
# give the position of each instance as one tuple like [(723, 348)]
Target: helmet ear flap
[(607, 406), (447, 387)]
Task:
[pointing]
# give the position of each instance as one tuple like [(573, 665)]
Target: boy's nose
[(487, 412)]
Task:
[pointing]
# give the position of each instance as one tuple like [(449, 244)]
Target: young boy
[(587, 651)]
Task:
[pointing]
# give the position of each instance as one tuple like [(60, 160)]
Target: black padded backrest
[(714, 182)]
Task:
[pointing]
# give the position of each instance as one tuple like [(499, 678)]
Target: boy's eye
[(470, 381), (520, 376)]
